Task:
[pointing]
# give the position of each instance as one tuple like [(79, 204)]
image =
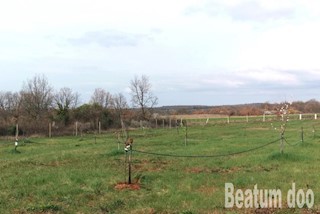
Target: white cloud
[(187, 47), (246, 10), (270, 76), (109, 38), (286, 47)]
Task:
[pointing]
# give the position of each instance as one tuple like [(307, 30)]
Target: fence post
[(228, 119), (16, 144), (300, 116), (76, 128), (177, 127), (170, 122), (302, 134), (50, 129), (315, 116), (118, 140), (17, 131)]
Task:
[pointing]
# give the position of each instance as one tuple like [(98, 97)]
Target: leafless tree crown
[(66, 98), (37, 96), (101, 97), (119, 104), (142, 96)]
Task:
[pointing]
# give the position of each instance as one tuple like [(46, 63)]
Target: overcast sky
[(206, 52)]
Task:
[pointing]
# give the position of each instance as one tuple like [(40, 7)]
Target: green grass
[(79, 175)]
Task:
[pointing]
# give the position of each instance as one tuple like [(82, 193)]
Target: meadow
[(88, 174)]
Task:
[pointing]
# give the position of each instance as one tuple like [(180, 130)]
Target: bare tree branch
[(37, 97), (141, 95), (102, 98), (64, 100)]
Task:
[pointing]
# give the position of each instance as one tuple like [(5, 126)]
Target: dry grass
[(199, 116)]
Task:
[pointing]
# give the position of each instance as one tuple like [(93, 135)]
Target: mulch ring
[(124, 186)]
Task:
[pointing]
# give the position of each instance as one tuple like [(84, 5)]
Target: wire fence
[(206, 156), (295, 144)]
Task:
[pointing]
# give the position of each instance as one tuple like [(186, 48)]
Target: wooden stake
[(125, 166), (76, 128), (118, 141), (99, 127), (17, 131), (50, 129), (16, 145), (17, 135), (129, 162), (124, 129), (302, 135)]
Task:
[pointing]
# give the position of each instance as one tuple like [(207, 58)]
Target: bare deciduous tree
[(312, 106), (65, 100), (119, 104), (9, 101), (102, 98), (37, 97), (9, 105), (142, 96)]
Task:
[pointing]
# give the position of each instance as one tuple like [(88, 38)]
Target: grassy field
[(85, 175)]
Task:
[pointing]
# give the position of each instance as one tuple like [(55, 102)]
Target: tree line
[(38, 105), (296, 107)]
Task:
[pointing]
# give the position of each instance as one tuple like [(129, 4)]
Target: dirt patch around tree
[(126, 186)]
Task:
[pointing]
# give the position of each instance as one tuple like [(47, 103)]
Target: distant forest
[(37, 107), (296, 107)]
